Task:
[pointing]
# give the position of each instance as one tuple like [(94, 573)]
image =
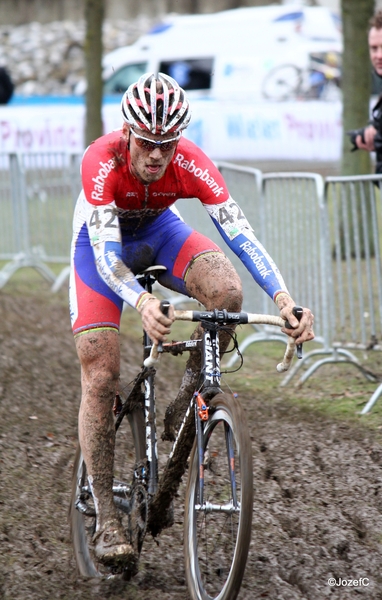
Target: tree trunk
[(356, 90), (356, 81), (94, 15)]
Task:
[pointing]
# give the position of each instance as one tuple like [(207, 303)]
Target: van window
[(125, 76), (191, 74)]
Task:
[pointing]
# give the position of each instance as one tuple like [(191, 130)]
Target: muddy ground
[(318, 482)]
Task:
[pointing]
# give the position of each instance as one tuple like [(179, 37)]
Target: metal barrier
[(325, 239), (291, 213), (37, 196), (351, 240), (353, 256), (288, 215), (244, 184)]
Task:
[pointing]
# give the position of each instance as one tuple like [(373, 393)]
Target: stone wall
[(19, 12), (46, 56), (41, 41), (49, 59)]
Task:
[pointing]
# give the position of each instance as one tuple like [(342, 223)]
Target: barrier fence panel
[(292, 217), (52, 186), (10, 234), (354, 255), (347, 202), (38, 192), (244, 184)]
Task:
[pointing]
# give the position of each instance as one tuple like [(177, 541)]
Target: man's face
[(375, 49), (148, 161)]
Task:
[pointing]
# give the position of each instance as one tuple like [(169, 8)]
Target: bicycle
[(213, 437), (320, 80)]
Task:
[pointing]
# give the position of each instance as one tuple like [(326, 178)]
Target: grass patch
[(337, 391), (29, 281)]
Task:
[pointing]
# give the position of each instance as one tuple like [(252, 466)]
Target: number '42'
[(225, 215), (96, 221)]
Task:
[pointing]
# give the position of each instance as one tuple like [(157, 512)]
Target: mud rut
[(318, 494)]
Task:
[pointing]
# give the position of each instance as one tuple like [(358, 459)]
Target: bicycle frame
[(210, 386), (211, 383)]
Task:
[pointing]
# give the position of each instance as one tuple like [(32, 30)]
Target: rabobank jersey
[(113, 199), (107, 178)]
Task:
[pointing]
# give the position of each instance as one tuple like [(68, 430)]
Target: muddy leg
[(213, 281), (98, 352)]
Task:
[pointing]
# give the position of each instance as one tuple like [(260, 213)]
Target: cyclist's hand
[(154, 322), (301, 330), (369, 135)]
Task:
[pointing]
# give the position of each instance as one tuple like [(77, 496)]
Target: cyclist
[(123, 223)]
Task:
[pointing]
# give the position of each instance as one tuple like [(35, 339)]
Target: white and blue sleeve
[(240, 237)]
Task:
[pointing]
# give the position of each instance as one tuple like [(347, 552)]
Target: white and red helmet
[(158, 105)]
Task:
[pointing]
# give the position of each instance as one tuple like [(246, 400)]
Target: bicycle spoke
[(217, 531)]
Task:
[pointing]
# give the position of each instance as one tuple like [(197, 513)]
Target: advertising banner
[(225, 131)]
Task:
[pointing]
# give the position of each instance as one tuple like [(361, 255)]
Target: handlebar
[(225, 317)]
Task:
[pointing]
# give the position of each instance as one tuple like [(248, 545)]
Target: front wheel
[(217, 532)]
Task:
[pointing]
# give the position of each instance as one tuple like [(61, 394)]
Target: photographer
[(370, 137)]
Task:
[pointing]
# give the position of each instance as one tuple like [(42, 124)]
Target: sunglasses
[(150, 145)]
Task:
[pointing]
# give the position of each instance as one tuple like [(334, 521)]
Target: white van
[(257, 53)]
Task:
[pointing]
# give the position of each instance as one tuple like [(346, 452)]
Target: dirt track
[(318, 494)]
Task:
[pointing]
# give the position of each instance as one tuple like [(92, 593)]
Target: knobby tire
[(216, 544)]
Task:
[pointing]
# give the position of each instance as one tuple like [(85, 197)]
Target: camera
[(353, 134)]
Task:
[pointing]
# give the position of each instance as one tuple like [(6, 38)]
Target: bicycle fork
[(151, 437), (211, 386)]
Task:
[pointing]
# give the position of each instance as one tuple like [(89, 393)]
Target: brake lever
[(165, 307), (297, 311)]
